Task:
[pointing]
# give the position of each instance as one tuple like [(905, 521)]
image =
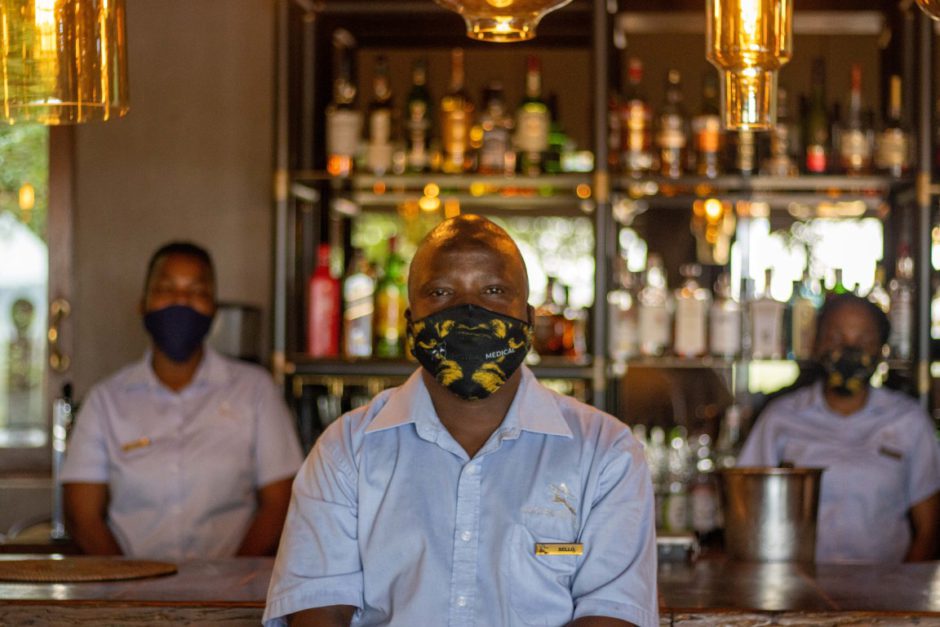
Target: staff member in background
[(879, 498), (471, 495), (185, 453)]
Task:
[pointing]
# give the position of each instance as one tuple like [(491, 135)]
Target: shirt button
[(465, 536), (461, 601)]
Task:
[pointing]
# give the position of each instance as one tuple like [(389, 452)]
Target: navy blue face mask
[(177, 330)]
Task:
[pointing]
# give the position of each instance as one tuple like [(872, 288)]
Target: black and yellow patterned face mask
[(470, 350), (848, 370)]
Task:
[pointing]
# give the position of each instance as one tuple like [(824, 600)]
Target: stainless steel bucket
[(770, 513)]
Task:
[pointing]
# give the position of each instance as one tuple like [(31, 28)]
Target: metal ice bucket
[(770, 513)]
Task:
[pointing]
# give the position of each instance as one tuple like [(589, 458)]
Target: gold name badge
[(138, 443), (558, 549)]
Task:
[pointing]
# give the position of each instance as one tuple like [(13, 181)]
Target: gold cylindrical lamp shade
[(63, 61), (930, 7), (749, 41), (502, 20)]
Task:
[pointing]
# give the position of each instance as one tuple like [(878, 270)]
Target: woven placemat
[(81, 569)]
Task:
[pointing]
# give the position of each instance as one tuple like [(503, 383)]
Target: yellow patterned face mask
[(470, 350)]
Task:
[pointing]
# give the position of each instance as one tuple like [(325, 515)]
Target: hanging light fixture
[(930, 7), (62, 61), (502, 20), (748, 41)]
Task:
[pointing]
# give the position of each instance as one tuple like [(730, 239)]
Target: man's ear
[(530, 313), (408, 314)]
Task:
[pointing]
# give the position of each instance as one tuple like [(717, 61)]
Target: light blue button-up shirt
[(878, 462), (390, 515), (183, 468)]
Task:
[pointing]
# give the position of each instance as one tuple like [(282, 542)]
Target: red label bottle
[(323, 308)]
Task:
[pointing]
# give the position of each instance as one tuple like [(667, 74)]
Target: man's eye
[(438, 292), (494, 290)]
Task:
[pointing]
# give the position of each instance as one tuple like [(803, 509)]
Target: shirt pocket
[(540, 585)]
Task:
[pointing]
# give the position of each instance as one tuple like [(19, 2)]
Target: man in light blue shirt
[(185, 454), (879, 495), (471, 495)]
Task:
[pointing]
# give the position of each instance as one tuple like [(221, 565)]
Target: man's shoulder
[(586, 421)]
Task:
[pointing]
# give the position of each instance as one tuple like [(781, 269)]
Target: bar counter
[(708, 592)]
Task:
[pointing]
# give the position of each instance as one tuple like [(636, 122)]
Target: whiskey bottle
[(672, 129), (358, 307), (902, 306), (549, 326), (418, 120), (783, 136), (391, 301), (379, 147), (456, 119), (706, 129), (343, 122), (766, 317), (622, 320), (724, 321), (636, 124), (800, 322), (532, 122), (495, 155), (894, 147), (855, 149), (816, 124)]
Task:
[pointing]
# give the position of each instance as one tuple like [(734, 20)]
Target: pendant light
[(930, 7), (748, 41), (63, 61), (502, 20)]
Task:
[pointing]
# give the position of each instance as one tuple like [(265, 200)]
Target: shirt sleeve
[(318, 560), (924, 468), (86, 454), (277, 448), (618, 576), (760, 448)]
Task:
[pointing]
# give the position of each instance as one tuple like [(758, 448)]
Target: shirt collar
[(533, 409), (212, 370)]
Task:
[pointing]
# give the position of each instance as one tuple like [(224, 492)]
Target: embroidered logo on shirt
[(135, 444), (561, 494), (890, 452), (551, 548)]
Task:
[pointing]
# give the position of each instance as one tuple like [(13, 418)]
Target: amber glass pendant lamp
[(502, 20)]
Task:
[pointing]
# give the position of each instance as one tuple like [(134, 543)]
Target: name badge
[(558, 549), (135, 444)]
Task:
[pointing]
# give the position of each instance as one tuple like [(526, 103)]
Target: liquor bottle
[(379, 147), (558, 142), (743, 147), (456, 119), (783, 136), (692, 303), (902, 306), (676, 511), (418, 120), (532, 122), (622, 307), (654, 316), (672, 129), (358, 307), (816, 124), (549, 326), (703, 491), (343, 122), (855, 149), (496, 155), (838, 286), (800, 323), (893, 146), (391, 301), (323, 308), (766, 318), (724, 320), (657, 455), (878, 294), (636, 123), (574, 338), (706, 129)]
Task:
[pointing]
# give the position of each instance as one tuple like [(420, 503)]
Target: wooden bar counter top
[(711, 591)]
